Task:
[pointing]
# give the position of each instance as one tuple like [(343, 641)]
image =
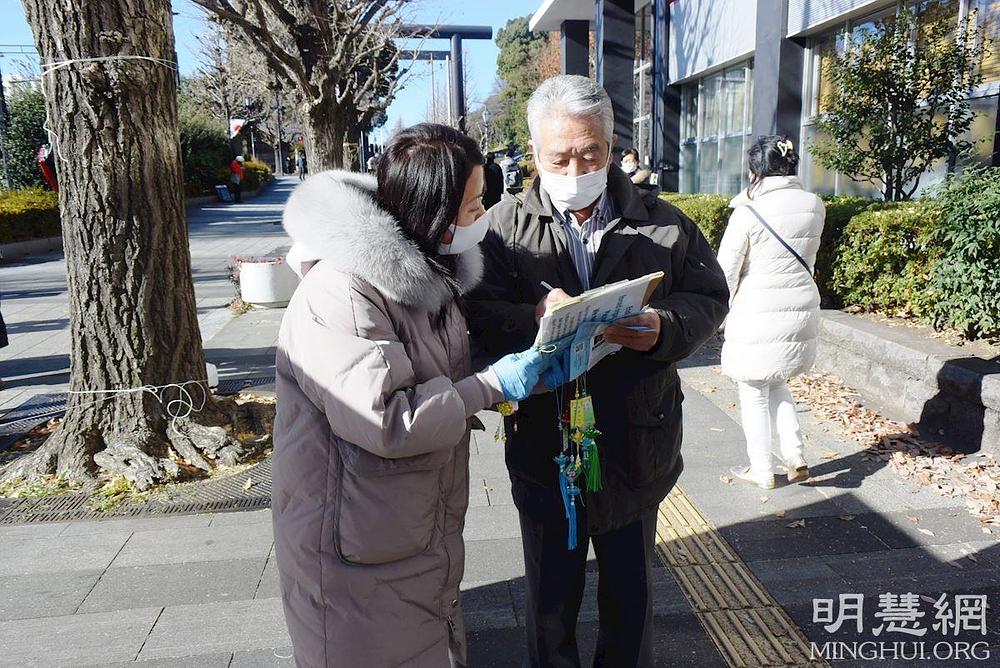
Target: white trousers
[(768, 409)]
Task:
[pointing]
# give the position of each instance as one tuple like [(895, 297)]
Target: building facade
[(706, 76)]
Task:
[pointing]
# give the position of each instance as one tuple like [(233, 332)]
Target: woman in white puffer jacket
[(773, 321)]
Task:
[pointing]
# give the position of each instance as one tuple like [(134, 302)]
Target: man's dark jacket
[(637, 396)]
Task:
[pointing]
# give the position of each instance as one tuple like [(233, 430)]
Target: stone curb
[(953, 396)]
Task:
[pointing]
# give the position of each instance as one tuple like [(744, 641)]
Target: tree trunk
[(326, 129), (131, 298)]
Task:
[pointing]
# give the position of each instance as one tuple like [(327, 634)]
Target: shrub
[(27, 214), (205, 153), (839, 212), (255, 174), (886, 257), (966, 282), (709, 212), (25, 135)]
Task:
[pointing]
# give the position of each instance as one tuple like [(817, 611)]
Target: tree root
[(198, 441)]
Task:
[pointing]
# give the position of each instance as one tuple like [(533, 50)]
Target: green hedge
[(255, 174), (886, 258), (709, 212), (28, 214)]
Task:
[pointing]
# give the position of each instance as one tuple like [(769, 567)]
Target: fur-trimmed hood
[(333, 216)]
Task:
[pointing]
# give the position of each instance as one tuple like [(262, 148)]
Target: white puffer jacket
[(774, 303)]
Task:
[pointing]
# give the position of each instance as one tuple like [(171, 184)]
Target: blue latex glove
[(557, 374), (519, 373)]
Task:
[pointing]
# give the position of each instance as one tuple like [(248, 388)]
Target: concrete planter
[(266, 282), (19, 249), (953, 397)]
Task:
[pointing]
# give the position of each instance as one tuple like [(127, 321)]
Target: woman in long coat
[(768, 254), (376, 395)]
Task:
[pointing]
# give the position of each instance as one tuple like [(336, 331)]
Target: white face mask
[(573, 193), (465, 238), (630, 167)]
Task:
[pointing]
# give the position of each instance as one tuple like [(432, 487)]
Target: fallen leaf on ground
[(779, 513), (247, 485), (926, 531), (797, 524), (726, 479), (764, 499), (846, 518), (912, 519)]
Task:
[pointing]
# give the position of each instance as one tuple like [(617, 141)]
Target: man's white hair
[(570, 95)]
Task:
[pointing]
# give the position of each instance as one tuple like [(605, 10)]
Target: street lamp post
[(250, 122), (279, 163)]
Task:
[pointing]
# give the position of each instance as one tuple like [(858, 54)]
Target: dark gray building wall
[(615, 37), (574, 47), (777, 73)]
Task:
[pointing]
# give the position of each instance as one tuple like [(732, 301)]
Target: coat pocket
[(654, 434), (386, 508)]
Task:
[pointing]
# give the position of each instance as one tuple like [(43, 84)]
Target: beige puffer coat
[(774, 315), (371, 439)]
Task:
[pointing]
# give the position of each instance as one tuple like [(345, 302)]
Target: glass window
[(708, 166), (689, 103), (823, 52), (689, 168), (710, 95), (817, 178), (734, 100), (988, 17), (732, 165)]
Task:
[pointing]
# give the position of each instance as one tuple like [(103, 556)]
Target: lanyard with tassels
[(578, 457)]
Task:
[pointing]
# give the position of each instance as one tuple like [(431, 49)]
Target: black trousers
[(555, 583)]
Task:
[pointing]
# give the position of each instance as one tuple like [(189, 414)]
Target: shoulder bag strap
[(780, 240)]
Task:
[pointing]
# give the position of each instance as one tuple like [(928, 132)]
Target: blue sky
[(411, 104)]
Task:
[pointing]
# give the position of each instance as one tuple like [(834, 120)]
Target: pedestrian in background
[(513, 176), (300, 164), (236, 178), (3, 340), (768, 254), (494, 181), (633, 169)]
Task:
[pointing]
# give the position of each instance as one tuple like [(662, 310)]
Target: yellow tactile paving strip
[(746, 624)]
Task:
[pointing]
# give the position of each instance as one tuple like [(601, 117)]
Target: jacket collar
[(333, 217), (626, 198), (767, 185)]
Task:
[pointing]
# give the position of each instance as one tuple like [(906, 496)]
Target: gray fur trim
[(333, 217)]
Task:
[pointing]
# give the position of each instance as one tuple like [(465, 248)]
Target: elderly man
[(583, 224)]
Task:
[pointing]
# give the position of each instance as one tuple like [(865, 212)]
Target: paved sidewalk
[(202, 590), (35, 305)]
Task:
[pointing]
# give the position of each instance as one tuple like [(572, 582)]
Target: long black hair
[(422, 176), (771, 155)]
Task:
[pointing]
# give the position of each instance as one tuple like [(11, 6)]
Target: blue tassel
[(571, 516)]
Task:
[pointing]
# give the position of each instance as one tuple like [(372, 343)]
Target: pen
[(547, 286)]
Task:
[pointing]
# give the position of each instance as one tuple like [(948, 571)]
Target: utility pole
[(3, 135)]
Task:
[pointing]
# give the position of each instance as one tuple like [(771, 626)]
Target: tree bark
[(131, 297), (326, 129)]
